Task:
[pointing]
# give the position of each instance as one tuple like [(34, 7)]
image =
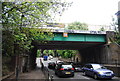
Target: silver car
[(97, 71)]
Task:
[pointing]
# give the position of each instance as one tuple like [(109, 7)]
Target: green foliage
[(78, 26), (7, 43), (118, 35), (116, 25), (117, 38), (62, 53), (38, 53), (18, 18), (20, 21), (67, 53), (31, 14), (49, 52)]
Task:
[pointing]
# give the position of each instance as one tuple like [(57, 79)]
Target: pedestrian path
[(34, 74)]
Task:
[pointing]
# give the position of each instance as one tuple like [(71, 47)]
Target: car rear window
[(67, 66)]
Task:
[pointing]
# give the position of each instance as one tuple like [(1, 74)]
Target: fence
[(46, 72)]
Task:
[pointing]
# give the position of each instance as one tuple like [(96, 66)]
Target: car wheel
[(110, 78), (95, 76), (73, 75), (55, 73), (84, 73)]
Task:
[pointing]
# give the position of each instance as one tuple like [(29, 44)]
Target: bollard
[(52, 78), (48, 77)]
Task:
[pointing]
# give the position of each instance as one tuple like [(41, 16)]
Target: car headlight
[(100, 72)]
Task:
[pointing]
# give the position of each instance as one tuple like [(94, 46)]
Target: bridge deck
[(79, 37)]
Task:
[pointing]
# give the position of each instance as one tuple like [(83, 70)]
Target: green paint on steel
[(95, 38), (79, 37)]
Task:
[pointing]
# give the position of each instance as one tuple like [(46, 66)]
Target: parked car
[(63, 70), (78, 68), (59, 62), (50, 57), (51, 65), (45, 58), (97, 71), (70, 63)]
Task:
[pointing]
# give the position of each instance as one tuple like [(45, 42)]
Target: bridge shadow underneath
[(90, 52)]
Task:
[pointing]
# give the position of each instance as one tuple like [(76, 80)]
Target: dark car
[(59, 62), (78, 68), (63, 70), (97, 71), (51, 65)]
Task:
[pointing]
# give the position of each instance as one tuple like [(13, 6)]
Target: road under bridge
[(93, 46)]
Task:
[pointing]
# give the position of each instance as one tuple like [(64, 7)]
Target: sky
[(95, 12)]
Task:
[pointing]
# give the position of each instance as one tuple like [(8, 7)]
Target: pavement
[(78, 75), (38, 75), (34, 75)]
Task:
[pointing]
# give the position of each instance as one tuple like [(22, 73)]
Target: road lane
[(78, 75)]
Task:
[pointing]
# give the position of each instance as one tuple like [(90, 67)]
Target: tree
[(31, 14), (67, 53), (38, 53), (20, 20), (17, 15), (115, 24), (49, 52), (77, 26)]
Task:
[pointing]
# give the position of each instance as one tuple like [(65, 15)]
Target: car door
[(86, 69), (91, 71), (58, 68)]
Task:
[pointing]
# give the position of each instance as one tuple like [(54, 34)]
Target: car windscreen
[(97, 66), (67, 66)]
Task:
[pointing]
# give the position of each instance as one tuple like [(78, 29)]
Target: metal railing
[(46, 72)]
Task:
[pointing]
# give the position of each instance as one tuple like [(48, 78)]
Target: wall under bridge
[(107, 54), (98, 54)]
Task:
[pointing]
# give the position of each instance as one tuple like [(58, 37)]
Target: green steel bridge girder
[(78, 37)]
